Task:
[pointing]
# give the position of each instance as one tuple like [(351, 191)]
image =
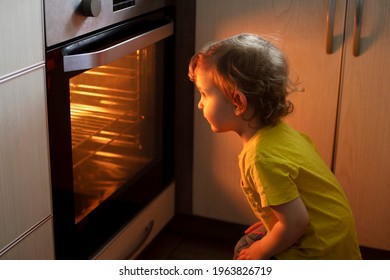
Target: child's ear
[(240, 103)]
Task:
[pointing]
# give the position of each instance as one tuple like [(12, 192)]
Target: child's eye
[(203, 94)]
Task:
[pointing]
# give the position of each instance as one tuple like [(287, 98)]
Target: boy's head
[(251, 65)]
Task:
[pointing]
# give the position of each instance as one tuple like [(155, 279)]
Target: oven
[(111, 118)]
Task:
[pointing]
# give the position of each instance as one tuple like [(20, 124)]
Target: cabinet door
[(24, 160), (21, 29), (298, 28), (363, 142)]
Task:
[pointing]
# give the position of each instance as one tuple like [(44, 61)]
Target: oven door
[(110, 104)]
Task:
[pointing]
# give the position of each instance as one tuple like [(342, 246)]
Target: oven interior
[(112, 121)]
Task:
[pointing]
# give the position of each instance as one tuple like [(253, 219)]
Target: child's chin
[(216, 130)]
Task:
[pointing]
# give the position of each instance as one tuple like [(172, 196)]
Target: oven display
[(122, 4)]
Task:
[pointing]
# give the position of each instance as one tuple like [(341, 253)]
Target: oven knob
[(91, 8)]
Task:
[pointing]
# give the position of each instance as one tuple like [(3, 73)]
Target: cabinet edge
[(24, 235), (21, 72)]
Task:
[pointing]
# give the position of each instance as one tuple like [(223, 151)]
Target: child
[(303, 212)]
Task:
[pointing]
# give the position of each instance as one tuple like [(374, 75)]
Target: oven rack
[(105, 108), (92, 131)]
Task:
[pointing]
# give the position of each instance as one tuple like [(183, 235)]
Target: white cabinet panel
[(363, 142), (21, 29), (24, 161), (38, 245)]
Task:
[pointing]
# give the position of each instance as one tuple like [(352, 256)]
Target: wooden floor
[(198, 238)]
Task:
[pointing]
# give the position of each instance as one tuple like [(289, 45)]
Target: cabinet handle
[(357, 27), (330, 26)]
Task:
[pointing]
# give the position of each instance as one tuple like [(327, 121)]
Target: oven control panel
[(66, 20), (122, 4), (91, 8)]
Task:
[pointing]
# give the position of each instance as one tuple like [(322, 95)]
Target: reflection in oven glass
[(112, 124)]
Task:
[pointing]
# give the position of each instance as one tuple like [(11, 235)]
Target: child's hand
[(250, 253), (257, 228)]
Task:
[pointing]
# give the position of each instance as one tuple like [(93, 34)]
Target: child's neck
[(248, 125), (247, 133)]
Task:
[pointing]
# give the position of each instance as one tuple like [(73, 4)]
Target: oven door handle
[(84, 61)]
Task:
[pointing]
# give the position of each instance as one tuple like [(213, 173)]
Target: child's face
[(217, 109)]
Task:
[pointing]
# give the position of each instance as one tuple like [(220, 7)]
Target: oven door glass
[(113, 126)]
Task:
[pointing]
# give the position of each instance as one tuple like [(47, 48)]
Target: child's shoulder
[(279, 134), (283, 141)]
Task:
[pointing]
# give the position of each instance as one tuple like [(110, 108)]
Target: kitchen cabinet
[(342, 108), (362, 159), (25, 197), (25, 185)]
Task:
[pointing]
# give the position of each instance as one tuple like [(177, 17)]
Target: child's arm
[(293, 221)]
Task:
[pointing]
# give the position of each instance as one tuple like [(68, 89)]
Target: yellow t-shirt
[(279, 164)]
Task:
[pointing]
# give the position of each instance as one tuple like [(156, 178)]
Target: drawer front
[(140, 231)]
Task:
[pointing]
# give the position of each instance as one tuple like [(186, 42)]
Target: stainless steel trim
[(93, 59), (21, 72), (357, 27), (330, 26), (24, 235)]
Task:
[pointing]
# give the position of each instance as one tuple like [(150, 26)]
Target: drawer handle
[(145, 235)]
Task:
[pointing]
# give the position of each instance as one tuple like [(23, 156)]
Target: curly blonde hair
[(255, 67)]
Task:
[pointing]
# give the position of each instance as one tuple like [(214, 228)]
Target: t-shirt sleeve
[(274, 179)]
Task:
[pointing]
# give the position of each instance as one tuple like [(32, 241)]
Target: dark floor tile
[(162, 247), (201, 249)]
